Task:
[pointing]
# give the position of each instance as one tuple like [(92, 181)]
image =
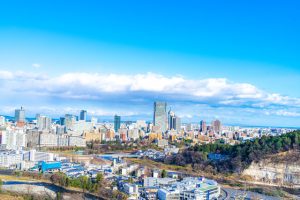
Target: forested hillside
[(238, 157)]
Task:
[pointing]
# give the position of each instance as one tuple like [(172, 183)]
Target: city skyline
[(160, 100), (238, 64), (170, 115)]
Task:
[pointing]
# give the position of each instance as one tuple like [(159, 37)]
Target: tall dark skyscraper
[(62, 121), (160, 117), (20, 115), (203, 127), (171, 120), (83, 115), (117, 123), (174, 122)]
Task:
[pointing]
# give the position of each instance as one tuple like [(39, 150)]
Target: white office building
[(13, 138), (78, 141), (190, 188), (36, 156), (151, 181), (47, 139), (171, 194), (63, 140), (10, 158), (44, 123)]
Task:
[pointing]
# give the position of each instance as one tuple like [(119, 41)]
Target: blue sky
[(209, 50)]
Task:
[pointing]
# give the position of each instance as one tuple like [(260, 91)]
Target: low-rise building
[(37, 156), (155, 182), (155, 136), (168, 194), (149, 193), (10, 158), (190, 188), (162, 143), (132, 190), (155, 173)]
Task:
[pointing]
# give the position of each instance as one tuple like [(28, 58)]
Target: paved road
[(231, 193), (224, 195)]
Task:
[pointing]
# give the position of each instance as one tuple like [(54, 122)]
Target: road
[(231, 193), (224, 195)]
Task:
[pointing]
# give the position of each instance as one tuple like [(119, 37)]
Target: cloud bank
[(217, 92)]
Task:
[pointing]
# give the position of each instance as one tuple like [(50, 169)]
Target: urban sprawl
[(29, 145)]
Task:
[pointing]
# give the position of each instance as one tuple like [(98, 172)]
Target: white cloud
[(36, 65), (287, 113), (6, 75), (189, 116), (218, 91), (61, 111), (282, 112)]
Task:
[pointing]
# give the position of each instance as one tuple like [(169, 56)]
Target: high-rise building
[(20, 115), (189, 127), (44, 123), (62, 121), (171, 120), (174, 122), (70, 121), (117, 123), (203, 127), (83, 115), (216, 125), (37, 116), (2, 120), (177, 123), (13, 138), (94, 120), (160, 115)]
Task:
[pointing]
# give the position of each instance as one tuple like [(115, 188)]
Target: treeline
[(97, 147), (99, 186), (238, 157), (63, 148)]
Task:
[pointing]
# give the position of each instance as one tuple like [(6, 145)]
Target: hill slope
[(282, 169)]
